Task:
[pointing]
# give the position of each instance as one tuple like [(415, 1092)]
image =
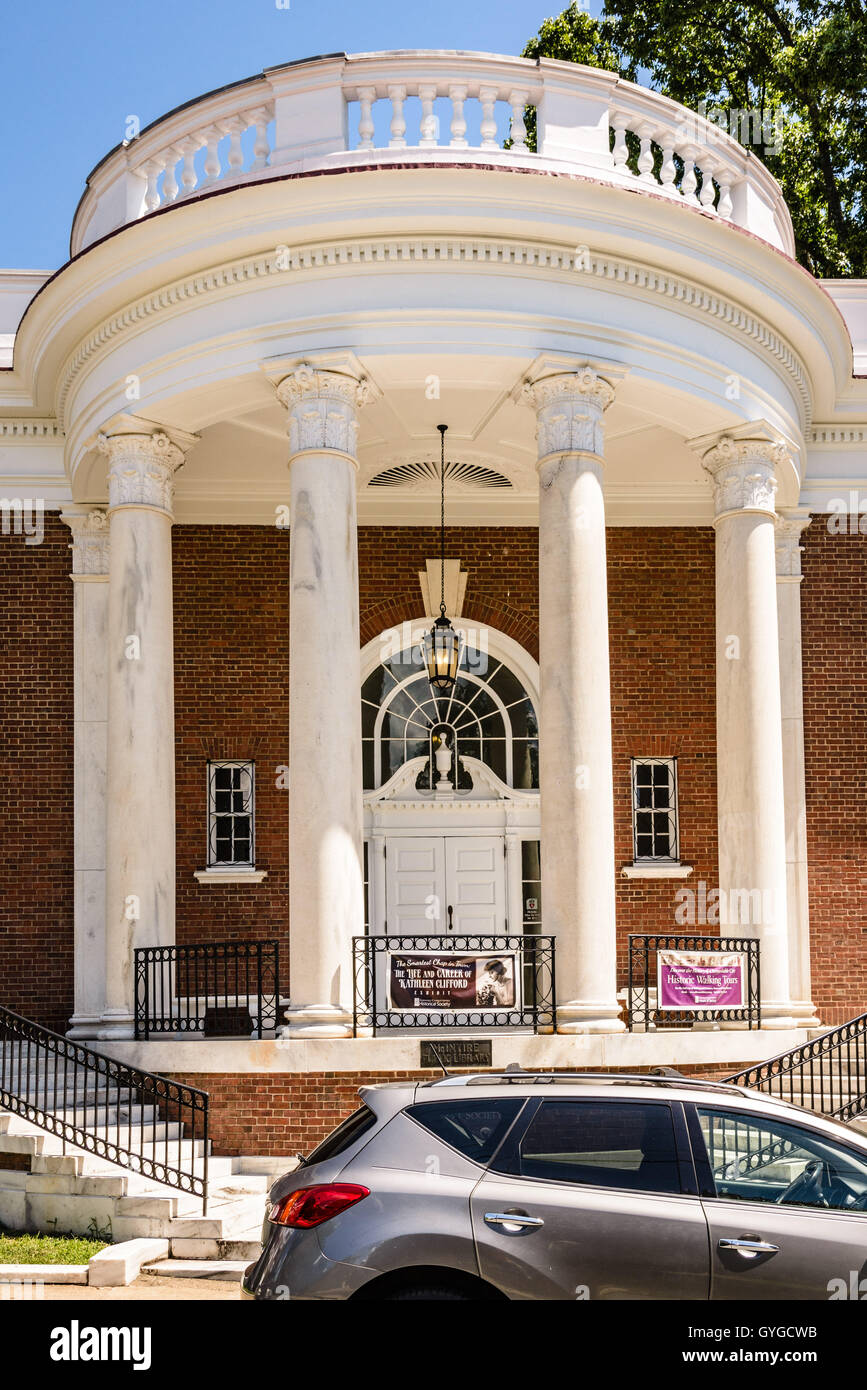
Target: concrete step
[(239, 1248), (229, 1271)]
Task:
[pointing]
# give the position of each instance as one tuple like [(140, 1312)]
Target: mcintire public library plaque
[(456, 1052)]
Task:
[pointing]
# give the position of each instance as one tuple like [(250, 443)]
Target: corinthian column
[(90, 550), (575, 770), (140, 830), (790, 527), (326, 876), (750, 793)]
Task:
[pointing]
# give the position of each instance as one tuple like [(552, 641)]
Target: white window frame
[(649, 860)]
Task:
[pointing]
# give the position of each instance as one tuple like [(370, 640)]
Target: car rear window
[(475, 1128), (340, 1139)]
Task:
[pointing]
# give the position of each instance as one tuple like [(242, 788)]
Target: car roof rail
[(564, 1078)]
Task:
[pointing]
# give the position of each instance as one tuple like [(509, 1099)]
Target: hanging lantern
[(442, 645)]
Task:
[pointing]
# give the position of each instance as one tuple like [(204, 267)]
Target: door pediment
[(487, 788)]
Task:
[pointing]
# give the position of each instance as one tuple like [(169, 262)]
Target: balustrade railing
[(144, 1122), (364, 108), (212, 989), (828, 1074)]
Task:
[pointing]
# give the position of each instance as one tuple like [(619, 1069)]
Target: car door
[(786, 1206), (593, 1199)]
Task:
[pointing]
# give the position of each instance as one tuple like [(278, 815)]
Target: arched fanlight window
[(488, 715)]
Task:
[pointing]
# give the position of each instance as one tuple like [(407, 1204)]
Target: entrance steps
[(43, 1187)]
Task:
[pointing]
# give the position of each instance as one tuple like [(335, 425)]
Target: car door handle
[(516, 1219), (748, 1246)]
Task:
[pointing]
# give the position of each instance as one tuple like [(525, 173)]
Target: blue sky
[(72, 71)]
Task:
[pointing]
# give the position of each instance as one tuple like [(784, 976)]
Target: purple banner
[(701, 980)]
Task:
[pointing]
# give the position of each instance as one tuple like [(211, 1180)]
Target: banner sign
[(701, 980), (426, 980)]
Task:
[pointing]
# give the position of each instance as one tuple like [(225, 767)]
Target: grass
[(21, 1248)]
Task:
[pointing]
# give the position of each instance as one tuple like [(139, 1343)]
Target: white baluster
[(458, 126), (261, 148), (620, 151), (397, 96), (668, 168), (488, 98), (152, 169), (518, 131), (235, 157), (366, 98), (170, 182), (429, 127), (725, 206), (645, 157), (708, 192), (189, 177), (689, 182), (211, 140)]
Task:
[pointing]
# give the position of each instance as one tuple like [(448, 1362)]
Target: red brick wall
[(231, 631), (663, 704), (36, 749), (833, 611), (282, 1113)]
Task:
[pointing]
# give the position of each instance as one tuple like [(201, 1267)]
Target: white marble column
[(326, 884), (140, 831), (90, 549), (790, 527), (750, 795), (575, 766)]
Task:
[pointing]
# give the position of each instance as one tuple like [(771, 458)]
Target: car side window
[(754, 1159), (623, 1144), (474, 1127)]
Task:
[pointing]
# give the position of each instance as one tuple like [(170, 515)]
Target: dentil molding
[(531, 256)]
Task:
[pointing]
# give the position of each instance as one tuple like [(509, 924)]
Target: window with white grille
[(231, 798), (654, 811)]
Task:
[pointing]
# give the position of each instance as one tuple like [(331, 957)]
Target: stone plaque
[(456, 1053)]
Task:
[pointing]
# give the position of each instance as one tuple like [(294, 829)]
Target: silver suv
[(553, 1186)]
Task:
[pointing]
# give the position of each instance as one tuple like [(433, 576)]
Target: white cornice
[(533, 257)]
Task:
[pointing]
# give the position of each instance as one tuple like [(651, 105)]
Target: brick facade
[(282, 1113), (231, 591), (36, 747), (834, 604)]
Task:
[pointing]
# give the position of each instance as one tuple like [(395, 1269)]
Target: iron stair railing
[(827, 1074), (144, 1122)]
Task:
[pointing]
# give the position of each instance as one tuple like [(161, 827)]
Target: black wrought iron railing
[(644, 1007), (144, 1122), (438, 983), (215, 989), (828, 1074)]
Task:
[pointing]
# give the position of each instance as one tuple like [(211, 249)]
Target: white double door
[(445, 883)]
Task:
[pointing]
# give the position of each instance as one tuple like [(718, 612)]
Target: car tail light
[(310, 1206)]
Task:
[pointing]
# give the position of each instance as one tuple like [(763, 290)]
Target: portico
[(248, 377)]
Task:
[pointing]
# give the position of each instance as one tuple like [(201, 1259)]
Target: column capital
[(744, 471), (569, 406), (142, 462), (787, 543), (322, 399), (90, 542)]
